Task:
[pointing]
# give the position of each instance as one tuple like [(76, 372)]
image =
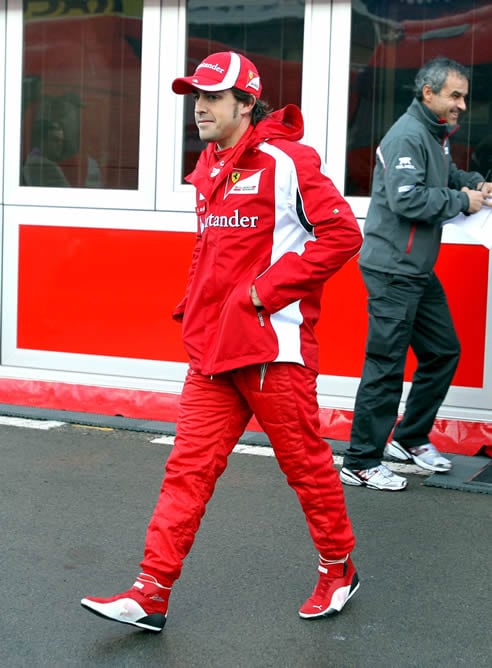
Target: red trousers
[(214, 412)]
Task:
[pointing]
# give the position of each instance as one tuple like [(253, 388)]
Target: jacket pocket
[(244, 332)]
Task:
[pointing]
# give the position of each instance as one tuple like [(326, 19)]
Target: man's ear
[(248, 106), (426, 93)]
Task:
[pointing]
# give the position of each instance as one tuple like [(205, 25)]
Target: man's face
[(449, 103), (220, 117), (54, 145)]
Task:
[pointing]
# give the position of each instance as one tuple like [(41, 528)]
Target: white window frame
[(171, 193), (336, 147), (3, 18), (178, 196), (337, 391), (144, 196)]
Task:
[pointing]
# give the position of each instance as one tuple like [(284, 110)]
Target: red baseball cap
[(221, 71)]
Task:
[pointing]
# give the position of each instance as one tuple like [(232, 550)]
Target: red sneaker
[(144, 605), (336, 585)]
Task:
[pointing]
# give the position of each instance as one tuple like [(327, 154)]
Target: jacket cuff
[(465, 201)]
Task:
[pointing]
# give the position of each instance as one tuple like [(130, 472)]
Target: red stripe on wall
[(111, 292), (451, 436), (342, 328)]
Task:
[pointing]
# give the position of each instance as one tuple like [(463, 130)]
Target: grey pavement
[(75, 502)]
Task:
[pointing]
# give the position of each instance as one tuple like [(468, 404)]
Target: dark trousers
[(404, 312)]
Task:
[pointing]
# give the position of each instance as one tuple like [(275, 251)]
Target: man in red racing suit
[(272, 228)]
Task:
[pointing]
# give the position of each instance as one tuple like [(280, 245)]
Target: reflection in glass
[(269, 33), (41, 166), (389, 43), (81, 93)]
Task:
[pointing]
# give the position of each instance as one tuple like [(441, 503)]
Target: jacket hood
[(285, 123)]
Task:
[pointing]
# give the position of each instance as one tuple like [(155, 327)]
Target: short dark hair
[(435, 72), (261, 109)]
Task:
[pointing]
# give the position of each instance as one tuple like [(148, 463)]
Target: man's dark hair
[(435, 72), (259, 111)]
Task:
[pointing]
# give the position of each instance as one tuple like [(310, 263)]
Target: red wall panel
[(111, 292), (342, 329), (102, 291)]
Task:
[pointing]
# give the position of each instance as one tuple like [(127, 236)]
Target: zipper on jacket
[(261, 319), (445, 158), (410, 237)]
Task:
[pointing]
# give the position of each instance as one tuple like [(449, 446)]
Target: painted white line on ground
[(166, 440), (258, 450), (266, 451), (28, 423)]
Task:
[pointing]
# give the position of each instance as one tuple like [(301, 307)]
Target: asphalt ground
[(75, 502)]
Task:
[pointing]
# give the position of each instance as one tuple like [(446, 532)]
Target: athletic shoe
[(426, 456), (336, 585), (378, 477), (144, 605)]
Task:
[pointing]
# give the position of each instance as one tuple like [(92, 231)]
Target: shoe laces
[(383, 470), (426, 448)]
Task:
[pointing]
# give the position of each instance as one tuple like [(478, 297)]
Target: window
[(389, 43), (269, 33), (81, 93)]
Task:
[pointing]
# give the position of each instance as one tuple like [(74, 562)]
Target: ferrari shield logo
[(245, 182)]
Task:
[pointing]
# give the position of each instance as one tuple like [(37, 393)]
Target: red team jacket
[(268, 215)]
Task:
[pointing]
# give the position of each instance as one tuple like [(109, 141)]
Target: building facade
[(97, 221)]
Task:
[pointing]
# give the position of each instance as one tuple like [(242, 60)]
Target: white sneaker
[(426, 456), (378, 477)]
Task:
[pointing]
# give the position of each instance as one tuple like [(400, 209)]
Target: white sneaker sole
[(126, 611), (349, 478), (338, 601)]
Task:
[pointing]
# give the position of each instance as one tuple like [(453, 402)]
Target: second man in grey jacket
[(416, 188)]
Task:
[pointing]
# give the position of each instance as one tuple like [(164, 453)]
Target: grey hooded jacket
[(416, 187)]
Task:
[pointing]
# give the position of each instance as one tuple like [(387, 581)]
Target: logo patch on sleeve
[(405, 163), (243, 182)]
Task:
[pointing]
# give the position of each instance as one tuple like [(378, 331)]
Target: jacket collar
[(211, 170), (437, 128)]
